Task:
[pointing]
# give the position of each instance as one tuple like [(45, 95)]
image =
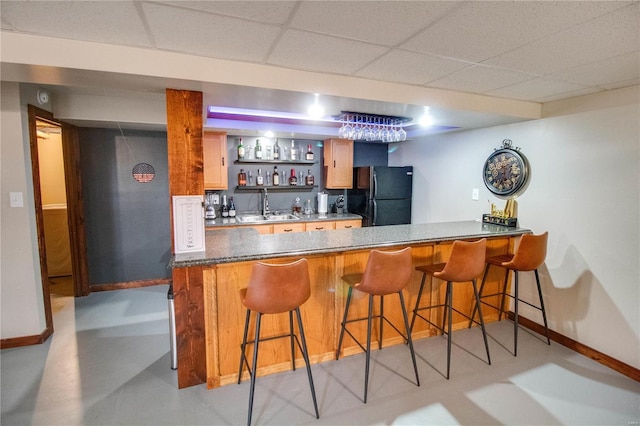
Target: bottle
[(276, 151), (309, 154), (293, 180), (258, 150), (242, 178), (224, 208), (294, 151), (276, 176), (240, 150), (309, 180), (296, 208), (259, 178), (232, 208)]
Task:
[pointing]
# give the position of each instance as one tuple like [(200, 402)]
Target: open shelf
[(253, 161), (276, 188)]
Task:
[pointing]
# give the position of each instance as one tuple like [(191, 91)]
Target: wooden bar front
[(322, 313)]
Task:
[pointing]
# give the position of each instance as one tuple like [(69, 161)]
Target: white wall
[(584, 190), (21, 300)]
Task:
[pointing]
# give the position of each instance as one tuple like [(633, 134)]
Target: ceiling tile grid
[(268, 12), (209, 34), (480, 79), (541, 88)]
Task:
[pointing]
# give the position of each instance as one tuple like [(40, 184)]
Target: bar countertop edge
[(246, 244)]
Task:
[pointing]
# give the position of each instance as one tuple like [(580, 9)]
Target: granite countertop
[(245, 243), (220, 222)]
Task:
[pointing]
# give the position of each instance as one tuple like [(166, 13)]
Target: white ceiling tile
[(97, 21), (381, 22), (480, 79), (572, 94), (208, 34), (620, 84), (620, 68), (536, 88), (610, 35), (409, 67), (307, 51), (271, 12), (479, 30)]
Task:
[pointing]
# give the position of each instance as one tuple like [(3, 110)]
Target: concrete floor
[(108, 363)]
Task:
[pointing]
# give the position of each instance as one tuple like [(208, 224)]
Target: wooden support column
[(186, 177)]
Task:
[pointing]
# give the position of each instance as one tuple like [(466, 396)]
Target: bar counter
[(210, 314)]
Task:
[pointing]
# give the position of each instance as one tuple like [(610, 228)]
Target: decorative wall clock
[(506, 171)]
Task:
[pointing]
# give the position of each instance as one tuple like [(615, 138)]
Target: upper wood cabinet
[(215, 160), (338, 163)]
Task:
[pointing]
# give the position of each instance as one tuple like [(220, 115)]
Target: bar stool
[(530, 254), (386, 272), (275, 289), (465, 264)]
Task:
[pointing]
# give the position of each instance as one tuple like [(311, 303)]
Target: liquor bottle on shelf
[(232, 208), (294, 152), (259, 178), (309, 155), (276, 176), (224, 208), (276, 151), (258, 150), (309, 180), (293, 180), (242, 178), (240, 149)]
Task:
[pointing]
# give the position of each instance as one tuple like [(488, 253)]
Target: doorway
[(58, 202)]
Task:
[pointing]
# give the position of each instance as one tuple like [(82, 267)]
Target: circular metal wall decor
[(143, 172), (506, 171)]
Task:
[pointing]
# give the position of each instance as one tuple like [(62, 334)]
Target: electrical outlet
[(216, 198), (15, 199), (475, 194)]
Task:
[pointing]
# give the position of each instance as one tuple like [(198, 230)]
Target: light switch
[(475, 194), (15, 199)]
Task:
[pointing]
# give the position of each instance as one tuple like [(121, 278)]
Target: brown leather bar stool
[(275, 289), (465, 264), (386, 272), (530, 254)]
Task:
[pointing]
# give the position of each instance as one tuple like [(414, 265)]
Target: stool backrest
[(278, 288), (386, 272), (466, 261), (530, 254)]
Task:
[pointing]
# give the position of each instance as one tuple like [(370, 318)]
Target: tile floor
[(108, 363)]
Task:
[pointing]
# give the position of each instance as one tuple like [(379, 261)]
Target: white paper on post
[(188, 223)]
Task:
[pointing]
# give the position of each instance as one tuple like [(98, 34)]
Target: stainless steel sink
[(250, 218), (282, 217), (257, 218)]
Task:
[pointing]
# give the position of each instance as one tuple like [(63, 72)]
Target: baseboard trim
[(619, 366), (128, 284), (17, 342)]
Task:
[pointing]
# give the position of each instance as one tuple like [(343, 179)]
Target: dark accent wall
[(127, 222), (370, 154)]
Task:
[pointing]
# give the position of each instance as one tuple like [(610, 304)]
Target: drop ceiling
[(525, 51)]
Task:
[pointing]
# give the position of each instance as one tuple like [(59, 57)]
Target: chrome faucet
[(265, 203)]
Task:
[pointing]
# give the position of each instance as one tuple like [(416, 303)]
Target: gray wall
[(127, 222)]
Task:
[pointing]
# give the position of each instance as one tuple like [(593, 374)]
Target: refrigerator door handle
[(375, 212), (375, 184)]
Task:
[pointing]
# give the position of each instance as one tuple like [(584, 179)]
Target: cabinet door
[(288, 227), (338, 163), (319, 226), (215, 160), (348, 224)]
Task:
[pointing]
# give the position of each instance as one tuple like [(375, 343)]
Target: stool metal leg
[(292, 338), (484, 332), (244, 345), (475, 308), (344, 322), (305, 354), (409, 340), (504, 293), (415, 310), (448, 307), (368, 354), (255, 365), (515, 317), (544, 313), (381, 321)]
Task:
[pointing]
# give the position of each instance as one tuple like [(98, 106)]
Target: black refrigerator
[(381, 195)]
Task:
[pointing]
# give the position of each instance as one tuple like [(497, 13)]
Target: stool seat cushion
[(530, 254), (500, 260), (387, 272), (465, 263), (431, 269)]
